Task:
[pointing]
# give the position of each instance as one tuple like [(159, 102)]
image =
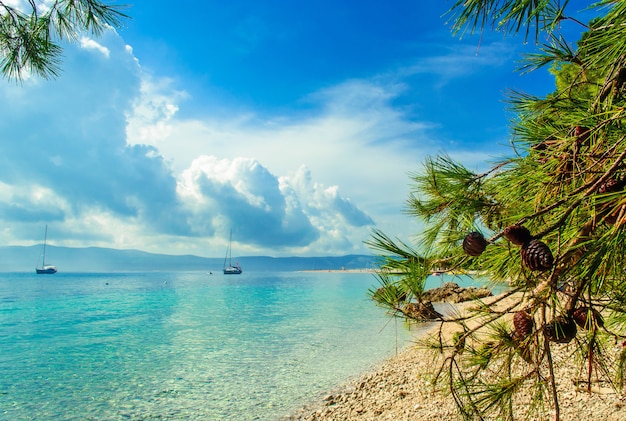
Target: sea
[(186, 345)]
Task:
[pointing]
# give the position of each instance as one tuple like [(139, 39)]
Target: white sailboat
[(230, 269), (45, 269)]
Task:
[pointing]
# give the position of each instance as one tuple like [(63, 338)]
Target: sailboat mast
[(230, 242), (227, 257), (45, 240)]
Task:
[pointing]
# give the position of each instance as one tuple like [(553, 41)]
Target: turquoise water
[(183, 346)]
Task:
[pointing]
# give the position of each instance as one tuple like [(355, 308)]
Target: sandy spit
[(401, 389)]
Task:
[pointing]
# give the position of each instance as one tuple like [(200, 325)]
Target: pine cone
[(524, 324), (474, 243), (517, 234), (560, 330), (537, 256), (587, 318), (611, 185), (582, 134)]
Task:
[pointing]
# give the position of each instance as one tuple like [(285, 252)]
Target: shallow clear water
[(184, 346)]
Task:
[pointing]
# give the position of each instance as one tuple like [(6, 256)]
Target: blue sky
[(296, 124)]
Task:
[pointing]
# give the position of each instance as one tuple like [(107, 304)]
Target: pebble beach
[(401, 388)]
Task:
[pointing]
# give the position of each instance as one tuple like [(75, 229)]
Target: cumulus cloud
[(83, 154), (109, 156), (263, 209), (91, 44), (64, 143), (150, 119), (325, 203), (356, 137)]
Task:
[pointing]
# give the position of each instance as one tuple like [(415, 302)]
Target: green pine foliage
[(565, 182), (30, 39)]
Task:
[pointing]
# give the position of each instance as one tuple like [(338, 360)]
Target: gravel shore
[(401, 389)]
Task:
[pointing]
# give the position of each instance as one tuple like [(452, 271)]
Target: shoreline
[(400, 389)]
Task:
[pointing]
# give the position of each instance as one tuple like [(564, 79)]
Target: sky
[(296, 125)]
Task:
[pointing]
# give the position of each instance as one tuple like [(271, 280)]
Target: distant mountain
[(96, 259)]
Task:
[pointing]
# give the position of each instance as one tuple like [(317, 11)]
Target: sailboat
[(230, 269), (45, 269)]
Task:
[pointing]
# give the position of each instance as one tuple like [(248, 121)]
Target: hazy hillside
[(94, 259)]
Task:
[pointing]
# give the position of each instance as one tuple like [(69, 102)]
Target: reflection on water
[(183, 345)]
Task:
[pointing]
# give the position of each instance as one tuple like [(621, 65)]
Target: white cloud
[(461, 60), (150, 120), (90, 44), (286, 213), (357, 144), (354, 138), (114, 160)]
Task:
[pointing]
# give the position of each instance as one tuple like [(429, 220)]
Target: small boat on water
[(233, 270), (45, 269), (230, 269)]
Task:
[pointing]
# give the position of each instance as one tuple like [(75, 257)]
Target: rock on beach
[(451, 292)]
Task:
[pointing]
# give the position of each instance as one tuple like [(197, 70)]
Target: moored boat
[(230, 269), (45, 269)]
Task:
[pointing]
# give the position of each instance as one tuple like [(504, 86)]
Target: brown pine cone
[(560, 330), (611, 185), (474, 243), (537, 256), (587, 318), (524, 324), (517, 234), (582, 134)]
